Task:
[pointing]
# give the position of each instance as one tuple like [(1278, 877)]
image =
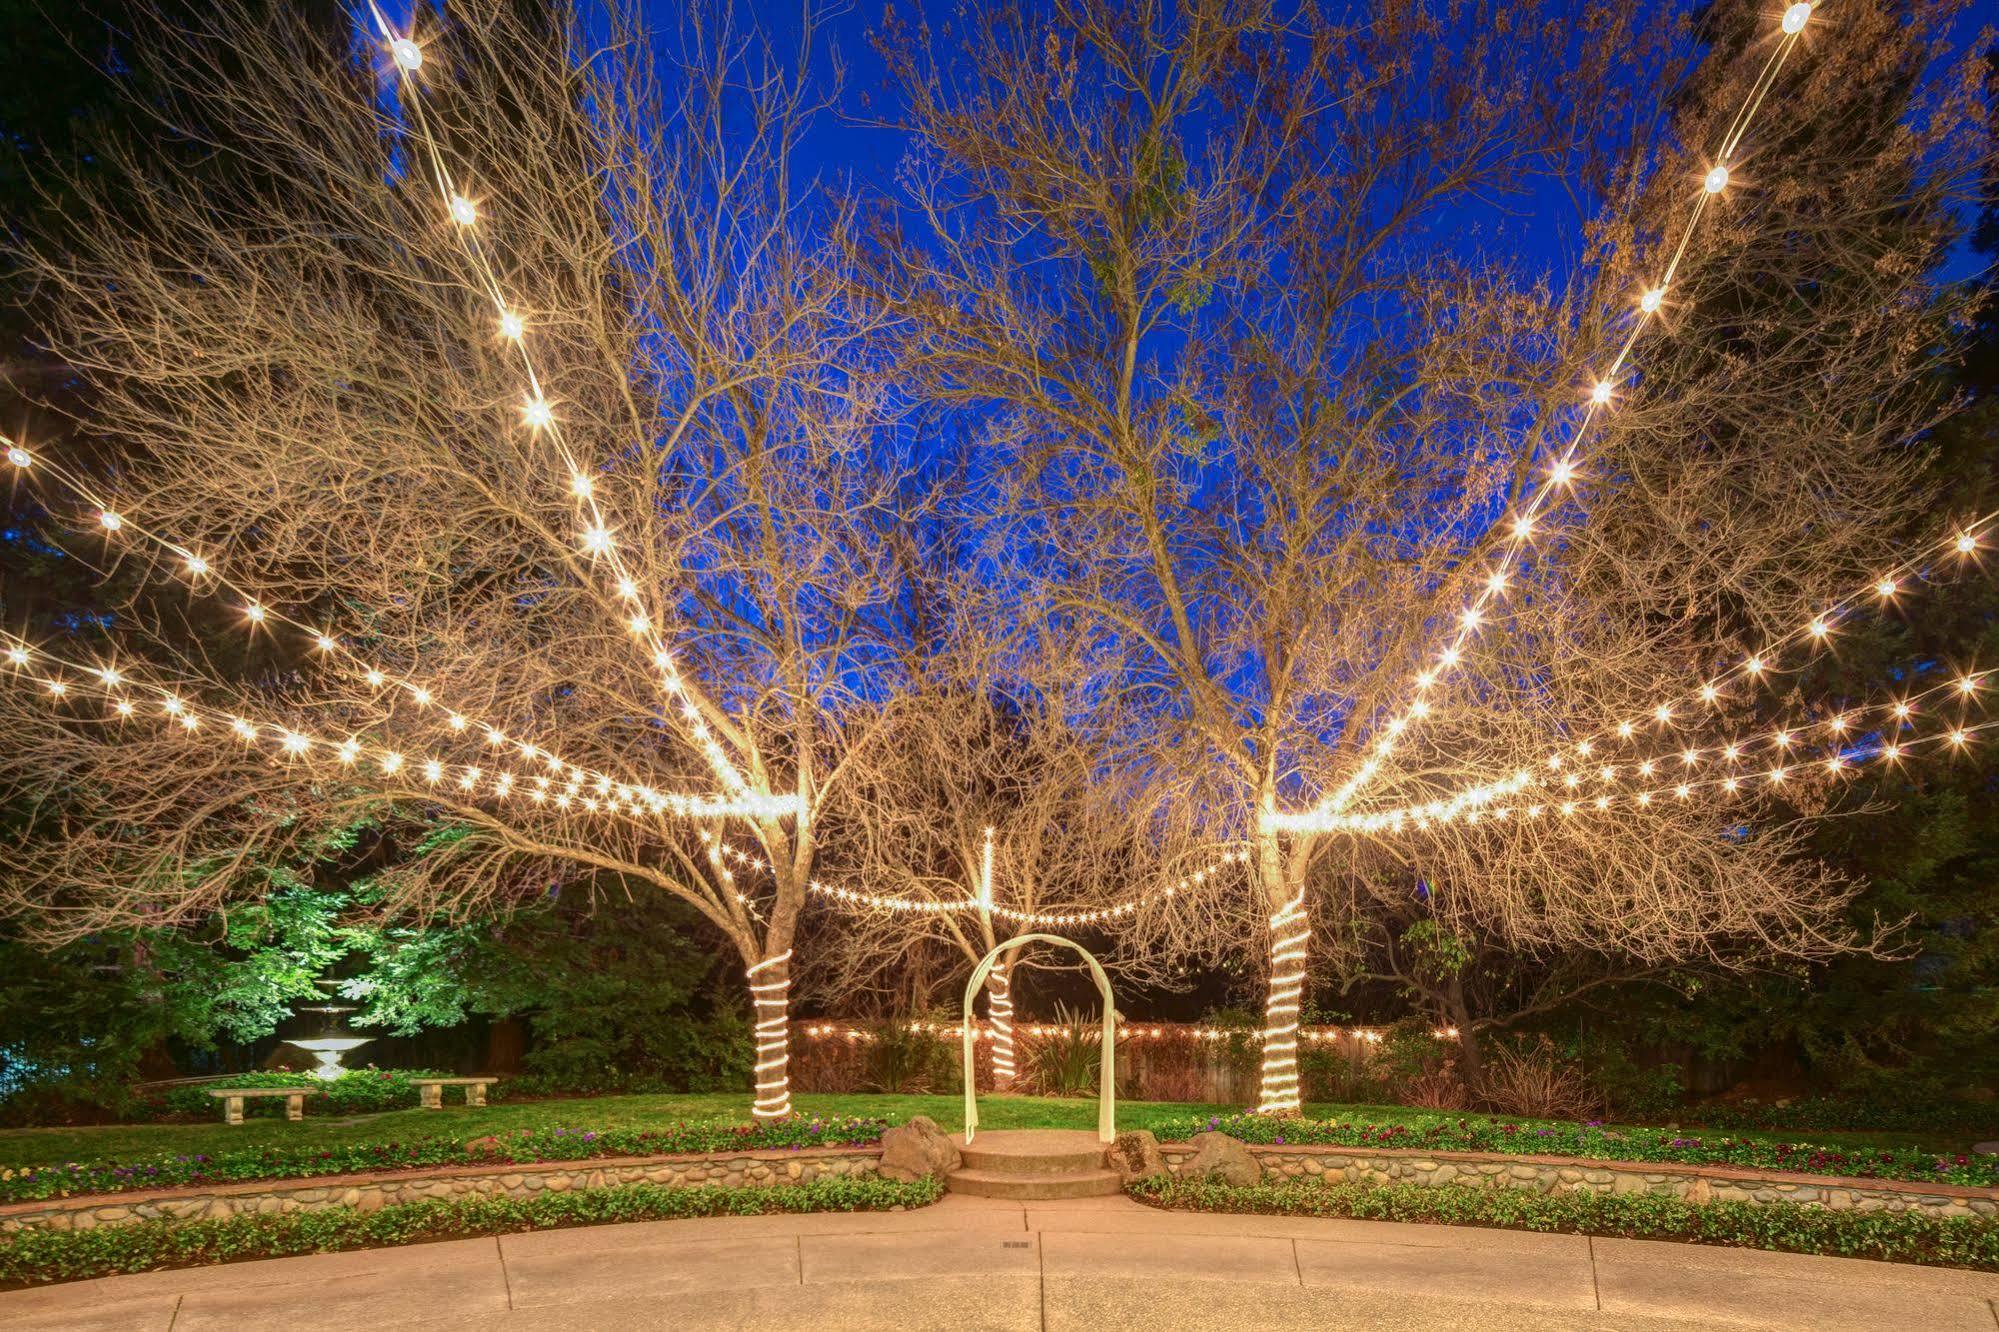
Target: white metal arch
[(1107, 1072)]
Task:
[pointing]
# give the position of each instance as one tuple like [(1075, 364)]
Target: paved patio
[(1093, 1265)]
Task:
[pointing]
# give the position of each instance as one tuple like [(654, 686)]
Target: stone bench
[(430, 1091), (232, 1100)]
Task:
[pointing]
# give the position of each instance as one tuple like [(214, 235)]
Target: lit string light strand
[(1524, 522)]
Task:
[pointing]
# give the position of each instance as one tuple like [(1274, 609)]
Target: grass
[(52, 1146)]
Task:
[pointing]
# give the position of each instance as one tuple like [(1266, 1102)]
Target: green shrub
[(1064, 1061), (1595, 1142), (26, 1184), (33, 1257), (1901, 1237)]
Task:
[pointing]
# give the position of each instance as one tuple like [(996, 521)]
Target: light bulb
[(1960, 737), (1796, 16), (1664, 712), (1709, 693), (17, 656), (1754, 665), (1561, 472), (1966, 543), (391, 762), (597, 540), (1717, 180), (1496, 583), (58, 688), (375, 678), (296, 743), (1470, 617), (325, 643), (463, 211), (1886, 587), (111, 521), (124, 707), (1624, 730), (1891, 751), (1650, 301), (1523, 526), (1448, 657), (1690, 757), (409, 56), (1968, 685), (538, 414), (196, 566), (1820, 628), (1600, 392), (457, 723), (254, 612), (18, 456), (628, 589), (579, 486), (422, 697), (110, 676), (511, 327)]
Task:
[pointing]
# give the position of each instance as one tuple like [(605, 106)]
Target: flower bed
[(36, 1257), (1596, 1143), (1901, 1237), (525, 1146)]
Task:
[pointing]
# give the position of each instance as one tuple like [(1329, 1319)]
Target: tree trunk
[(770, 996), (999, 1016), (1289, 935), (1471, 1060)]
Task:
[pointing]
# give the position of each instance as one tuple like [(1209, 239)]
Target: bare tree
[(529, 375), (1196, 274), (982, 815)]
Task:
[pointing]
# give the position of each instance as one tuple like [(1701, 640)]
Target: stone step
[(1032, 1152), (1071, 1184)]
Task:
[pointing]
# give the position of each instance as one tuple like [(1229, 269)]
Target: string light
[(259, 612), (690, 714), (1796, 16), (1094, 916), (463, 211), (1546, 494), (1461, 802), (408, 55)]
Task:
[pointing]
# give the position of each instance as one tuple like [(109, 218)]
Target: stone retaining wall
[(371, 1191), (1550, 1174)]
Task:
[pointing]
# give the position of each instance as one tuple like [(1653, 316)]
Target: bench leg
[(476, 1094), (430, 1096), (295, 1108), (232, 1109)]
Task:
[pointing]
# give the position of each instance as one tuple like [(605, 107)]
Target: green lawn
[(57, 1145)]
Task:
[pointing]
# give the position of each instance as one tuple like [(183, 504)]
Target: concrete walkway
[(1092, 1265)]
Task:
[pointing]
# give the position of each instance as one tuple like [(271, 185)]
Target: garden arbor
[(1106, 1077)]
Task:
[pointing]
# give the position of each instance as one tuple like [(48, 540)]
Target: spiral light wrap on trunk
[(1289, 934), (772, 999), (999, 1015)]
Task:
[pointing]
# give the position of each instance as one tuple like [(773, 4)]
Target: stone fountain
[(334, 1038)]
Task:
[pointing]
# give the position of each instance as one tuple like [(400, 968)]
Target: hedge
[(1897, 1237), (1595, 1142), (523, 1146), (39, 1257)]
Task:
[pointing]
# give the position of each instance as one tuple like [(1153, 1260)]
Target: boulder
[(917, 1149), (1135, 1156), (1219, 1154)]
